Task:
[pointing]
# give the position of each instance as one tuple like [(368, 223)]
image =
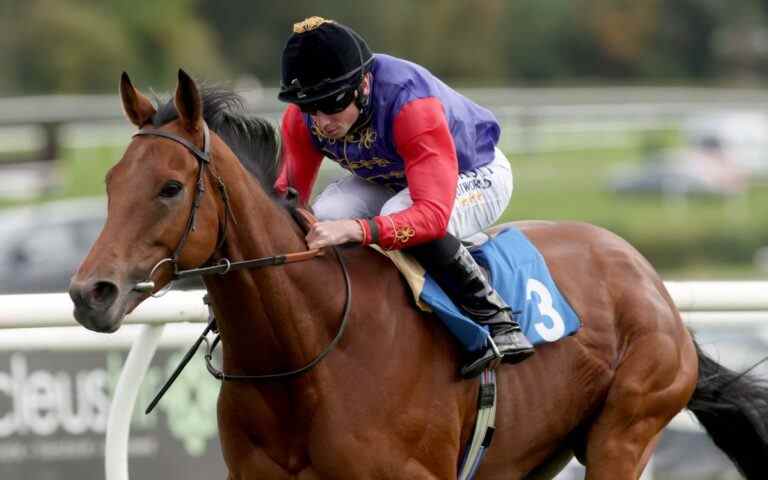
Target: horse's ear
[(188, 102), (136, 106)]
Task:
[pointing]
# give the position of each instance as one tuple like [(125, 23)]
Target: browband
[(203, 154)]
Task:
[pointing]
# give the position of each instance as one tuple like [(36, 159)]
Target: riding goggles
[(331, 104)]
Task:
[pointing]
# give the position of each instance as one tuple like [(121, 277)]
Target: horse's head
[(151, 193)]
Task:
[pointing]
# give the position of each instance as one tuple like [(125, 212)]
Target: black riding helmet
[(323, 64)]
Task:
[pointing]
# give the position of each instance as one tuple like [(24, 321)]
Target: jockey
[(424, 167)]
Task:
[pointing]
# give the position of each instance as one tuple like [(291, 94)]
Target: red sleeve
[(300, 158), (423, 139)]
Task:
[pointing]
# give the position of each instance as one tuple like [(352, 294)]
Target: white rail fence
[(703, 305), (572, 114)]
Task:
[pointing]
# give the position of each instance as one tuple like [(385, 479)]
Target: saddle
[(516, 270)]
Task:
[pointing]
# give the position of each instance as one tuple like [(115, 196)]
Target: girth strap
[(485, 425)]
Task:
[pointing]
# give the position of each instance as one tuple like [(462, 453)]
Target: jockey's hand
[(333, 232)]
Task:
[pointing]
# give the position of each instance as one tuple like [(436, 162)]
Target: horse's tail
[(733, 409)]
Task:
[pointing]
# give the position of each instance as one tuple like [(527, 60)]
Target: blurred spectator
[(722, 152)]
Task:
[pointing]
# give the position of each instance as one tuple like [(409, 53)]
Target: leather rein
[(225, 266)]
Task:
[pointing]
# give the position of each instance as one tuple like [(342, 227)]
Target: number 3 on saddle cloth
[(519, 274)]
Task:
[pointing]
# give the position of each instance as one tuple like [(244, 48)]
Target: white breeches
[(482, 195)]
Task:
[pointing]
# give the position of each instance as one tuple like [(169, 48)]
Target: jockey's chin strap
[(225, 266)]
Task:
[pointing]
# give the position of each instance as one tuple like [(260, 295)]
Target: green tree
[(456, 39), (83, 45)]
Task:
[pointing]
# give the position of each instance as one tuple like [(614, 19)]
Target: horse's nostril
[(103, 293)]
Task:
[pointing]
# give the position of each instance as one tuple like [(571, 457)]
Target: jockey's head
[(324, 72)]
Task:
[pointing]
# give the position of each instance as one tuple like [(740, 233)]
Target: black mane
[(254, 141)]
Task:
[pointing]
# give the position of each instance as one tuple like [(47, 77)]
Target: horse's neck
[(268, 316)]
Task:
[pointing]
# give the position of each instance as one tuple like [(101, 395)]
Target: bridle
[(225, 266), (203, 159)]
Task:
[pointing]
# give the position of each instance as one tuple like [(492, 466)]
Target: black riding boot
[(455, 270)]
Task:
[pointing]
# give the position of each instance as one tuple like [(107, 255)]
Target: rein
[(225, 266), (299, 371)]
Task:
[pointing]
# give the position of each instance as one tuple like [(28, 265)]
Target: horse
[(387, 402)]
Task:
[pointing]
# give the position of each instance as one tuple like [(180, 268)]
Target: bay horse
[(387, 402)]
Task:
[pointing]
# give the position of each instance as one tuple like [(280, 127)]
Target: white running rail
[(703, 304)]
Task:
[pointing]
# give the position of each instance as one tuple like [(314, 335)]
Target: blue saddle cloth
[(519, 274)]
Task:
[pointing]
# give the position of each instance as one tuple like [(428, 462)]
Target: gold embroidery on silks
[(309, 24), (365, 137), (386, 176), (346, 158), (404, 234), (370, 164)]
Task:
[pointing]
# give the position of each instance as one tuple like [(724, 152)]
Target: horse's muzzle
[(93, 304)]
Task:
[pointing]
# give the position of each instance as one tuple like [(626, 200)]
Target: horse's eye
[(171, 189)]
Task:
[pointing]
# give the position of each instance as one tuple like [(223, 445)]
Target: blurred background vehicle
[(722, 153), (742, 136), (43, 245)]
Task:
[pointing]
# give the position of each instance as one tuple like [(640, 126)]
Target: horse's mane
[(254, 140)]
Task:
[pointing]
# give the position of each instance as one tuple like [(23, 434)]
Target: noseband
[(225, 266)]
